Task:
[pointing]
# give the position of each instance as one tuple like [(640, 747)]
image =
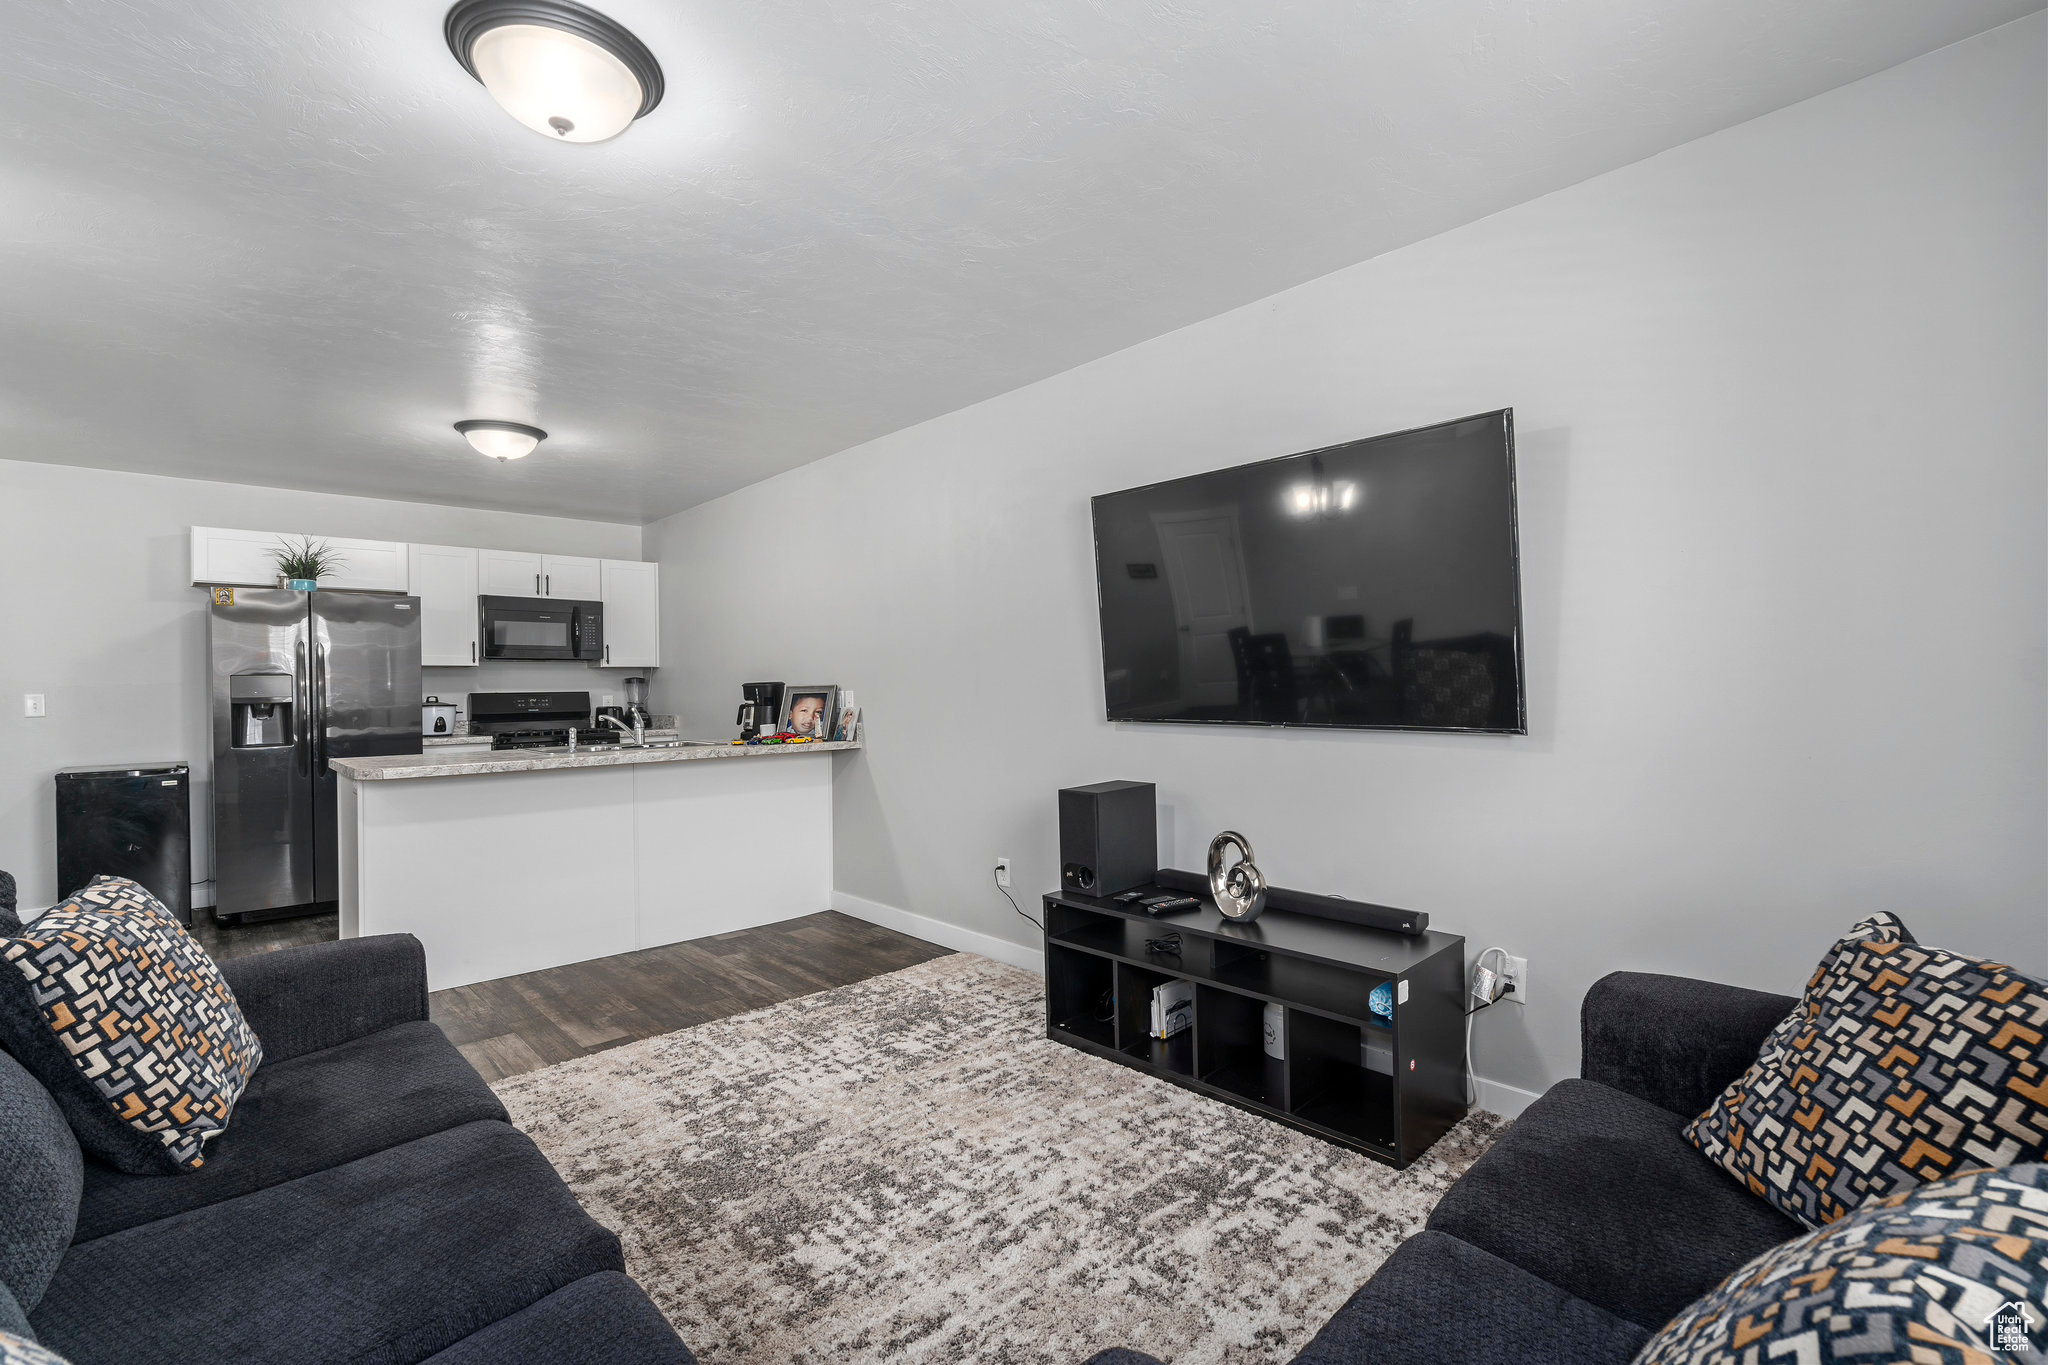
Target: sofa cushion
[(1438, 1298), (1670, 1040), (319, 995), (1953, 1271), (126, 1020), (309, 1114), (13, 1322), (599, 1320), (9, 920), (1599, 1193), (40, 1175), (383, 1261), (1901, 1064)]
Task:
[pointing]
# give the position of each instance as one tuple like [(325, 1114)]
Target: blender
[(636, 704)]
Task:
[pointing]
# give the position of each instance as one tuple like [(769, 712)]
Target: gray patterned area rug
[(905, 1169)]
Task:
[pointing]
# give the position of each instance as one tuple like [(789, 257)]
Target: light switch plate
[(32, 704)]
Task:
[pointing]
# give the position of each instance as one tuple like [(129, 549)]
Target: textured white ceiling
[(288, 243)]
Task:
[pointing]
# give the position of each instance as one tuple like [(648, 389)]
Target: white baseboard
[(1506, 1100), (939, 931)]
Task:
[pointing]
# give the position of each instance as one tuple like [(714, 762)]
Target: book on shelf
[(1173, 1008)]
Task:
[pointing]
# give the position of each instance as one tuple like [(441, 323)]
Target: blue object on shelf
[(1381, 1001)]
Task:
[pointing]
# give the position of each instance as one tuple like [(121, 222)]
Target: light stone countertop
[(444, 763), (468, 741)]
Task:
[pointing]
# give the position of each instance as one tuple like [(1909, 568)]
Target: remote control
[(1170, 904), (1126, 896)]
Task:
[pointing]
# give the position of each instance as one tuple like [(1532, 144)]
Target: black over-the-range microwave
[(541, 628)]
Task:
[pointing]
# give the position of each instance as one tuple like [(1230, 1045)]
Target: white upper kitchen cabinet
[(509, 573), (515, 573), (221, 555), (444, 578), (571, 576), (632, 614)]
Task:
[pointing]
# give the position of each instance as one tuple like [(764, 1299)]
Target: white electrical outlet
[(1002, 872), (32, 704), (1514, 972)]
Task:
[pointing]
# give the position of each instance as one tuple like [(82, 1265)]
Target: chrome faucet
[(636, 730)]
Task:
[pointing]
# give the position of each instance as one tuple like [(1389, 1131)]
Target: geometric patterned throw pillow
[(129, 1024), (1954, 1272), (15, 1350), (1903, 1064)]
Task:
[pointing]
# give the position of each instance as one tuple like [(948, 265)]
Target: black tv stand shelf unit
[(1385, 1087)]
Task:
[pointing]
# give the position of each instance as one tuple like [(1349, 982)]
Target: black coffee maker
[(761, 712)]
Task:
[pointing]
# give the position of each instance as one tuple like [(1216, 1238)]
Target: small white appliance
[(436, 717)]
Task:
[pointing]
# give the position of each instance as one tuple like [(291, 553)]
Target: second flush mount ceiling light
[(558, 67)]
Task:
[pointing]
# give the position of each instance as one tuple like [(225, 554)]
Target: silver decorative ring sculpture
[(1240, 891)]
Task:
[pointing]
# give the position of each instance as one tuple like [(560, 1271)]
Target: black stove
[(535, 720), (552, 739)]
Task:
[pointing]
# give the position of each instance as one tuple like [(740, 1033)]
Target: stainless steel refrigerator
[(299, 678)]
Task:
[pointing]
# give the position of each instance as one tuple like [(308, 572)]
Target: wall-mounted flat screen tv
[(1372, 586)]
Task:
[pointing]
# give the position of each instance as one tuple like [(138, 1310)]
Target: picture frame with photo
[(846, 727), (809, 709)]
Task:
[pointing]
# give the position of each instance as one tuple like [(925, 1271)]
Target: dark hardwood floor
[(224, 941), (523, 1023)]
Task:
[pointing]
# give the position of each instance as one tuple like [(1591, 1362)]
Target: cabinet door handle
[(536, 585), (472, 651), (607, 653), (549, 591)]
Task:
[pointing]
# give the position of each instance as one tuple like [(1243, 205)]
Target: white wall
[(97, 612), (1780, 401)]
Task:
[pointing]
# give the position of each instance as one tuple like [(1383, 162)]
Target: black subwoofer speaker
[(1109, 837)]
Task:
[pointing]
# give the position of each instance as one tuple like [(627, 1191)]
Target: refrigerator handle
[(319, 709), (304, 689)]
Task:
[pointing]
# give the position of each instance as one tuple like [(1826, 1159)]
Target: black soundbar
[(1413, 923)]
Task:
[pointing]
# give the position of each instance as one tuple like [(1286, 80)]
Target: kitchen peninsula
[(504, 862)]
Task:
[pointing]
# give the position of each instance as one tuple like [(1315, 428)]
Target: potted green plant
[(301, 566)]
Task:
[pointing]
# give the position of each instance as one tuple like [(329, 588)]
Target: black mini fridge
[(132, 821)]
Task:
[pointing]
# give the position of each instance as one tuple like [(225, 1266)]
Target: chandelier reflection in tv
[(1373, 585), (1317, 496)]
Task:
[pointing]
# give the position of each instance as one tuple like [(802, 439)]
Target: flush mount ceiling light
[(558, 67), (502, 440)]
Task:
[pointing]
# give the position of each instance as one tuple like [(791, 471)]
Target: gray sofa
[(369, 1202), (1592, 1222)]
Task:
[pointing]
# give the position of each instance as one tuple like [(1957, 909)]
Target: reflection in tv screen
[(1372, 585)]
